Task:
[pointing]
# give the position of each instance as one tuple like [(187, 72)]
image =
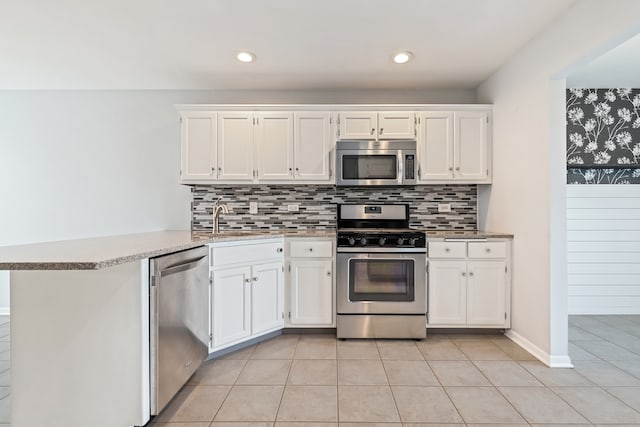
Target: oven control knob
[(400, 241), (363, 241), (382, 241), (412, 241), (351, 241)]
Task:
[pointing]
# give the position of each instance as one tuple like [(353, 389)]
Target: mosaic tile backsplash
[(317, 206)]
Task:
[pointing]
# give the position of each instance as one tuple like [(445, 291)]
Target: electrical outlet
[(293, 208), (253, 207), (444, 207)]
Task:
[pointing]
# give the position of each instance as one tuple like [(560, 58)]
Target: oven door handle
[(378, 251)]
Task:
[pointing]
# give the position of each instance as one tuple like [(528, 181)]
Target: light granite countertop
[(102, 252)]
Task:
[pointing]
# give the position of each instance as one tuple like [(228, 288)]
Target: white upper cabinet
[(239, 147), (397, 125), (454, 146), (372, 125), (358, 125), (198, 146), (435, 150), (471, 146), (235, 145), (274, 146), (313, 142)]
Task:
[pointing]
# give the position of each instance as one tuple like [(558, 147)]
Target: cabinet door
[(231, 305), (486, 293), (312, 146), (274, 146), (435, 146), (198, 146), (358, 125), (471, 158), (267, 297), (397, 125), (235, 142), (311, 293), (447, 299)]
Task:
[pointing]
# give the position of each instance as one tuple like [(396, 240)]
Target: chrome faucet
[(219, 207)]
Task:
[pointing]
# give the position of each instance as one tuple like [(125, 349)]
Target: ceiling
[(620, 67), (300, 44)]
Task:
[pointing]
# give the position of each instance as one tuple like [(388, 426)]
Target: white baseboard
[(538, 353), (4, 311)]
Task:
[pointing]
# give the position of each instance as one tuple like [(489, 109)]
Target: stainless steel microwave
[(376, 163)]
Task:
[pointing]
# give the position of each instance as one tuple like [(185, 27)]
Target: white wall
[(528, 196), (604, 249), (77, 164)]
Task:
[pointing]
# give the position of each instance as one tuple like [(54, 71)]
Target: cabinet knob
[(471, 273), (373, 130), (450, 169), (297, 169), (255, 279), (310, 249), (279, 250), (381, 130), (220, 169), (247, 280), (328, 273), (447, 250), (487, 250), (457, 168), (464, 274)]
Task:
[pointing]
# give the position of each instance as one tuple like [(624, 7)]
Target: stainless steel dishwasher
[(179, 321)]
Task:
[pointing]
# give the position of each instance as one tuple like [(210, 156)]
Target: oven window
[(369, 166), (381, 280)]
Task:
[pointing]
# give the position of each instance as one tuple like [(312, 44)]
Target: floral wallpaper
[(603, 136)]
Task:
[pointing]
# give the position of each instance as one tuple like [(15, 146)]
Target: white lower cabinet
[(469, 284), (311, 284), (231, 305), (267, 297), (447, 293), (310, 293), (247, 291)]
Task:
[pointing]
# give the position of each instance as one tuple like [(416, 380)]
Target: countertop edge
[(204, 238)]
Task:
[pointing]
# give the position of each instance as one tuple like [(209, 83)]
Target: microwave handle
[(400, 171)]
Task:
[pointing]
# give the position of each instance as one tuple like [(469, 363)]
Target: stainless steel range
[(381, 273)]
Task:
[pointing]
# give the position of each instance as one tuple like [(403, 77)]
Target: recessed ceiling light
[(402, 57), (245, 56)]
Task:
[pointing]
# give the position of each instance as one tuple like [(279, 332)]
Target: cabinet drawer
[(447, 250), (487, 250), (245, 254), (310, 249)]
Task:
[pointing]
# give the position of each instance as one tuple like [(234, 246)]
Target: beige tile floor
[(447, 380)]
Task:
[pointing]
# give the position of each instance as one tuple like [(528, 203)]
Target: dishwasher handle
[(181, 267)]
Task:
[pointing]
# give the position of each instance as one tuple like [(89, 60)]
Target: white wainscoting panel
[(603, 224)]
